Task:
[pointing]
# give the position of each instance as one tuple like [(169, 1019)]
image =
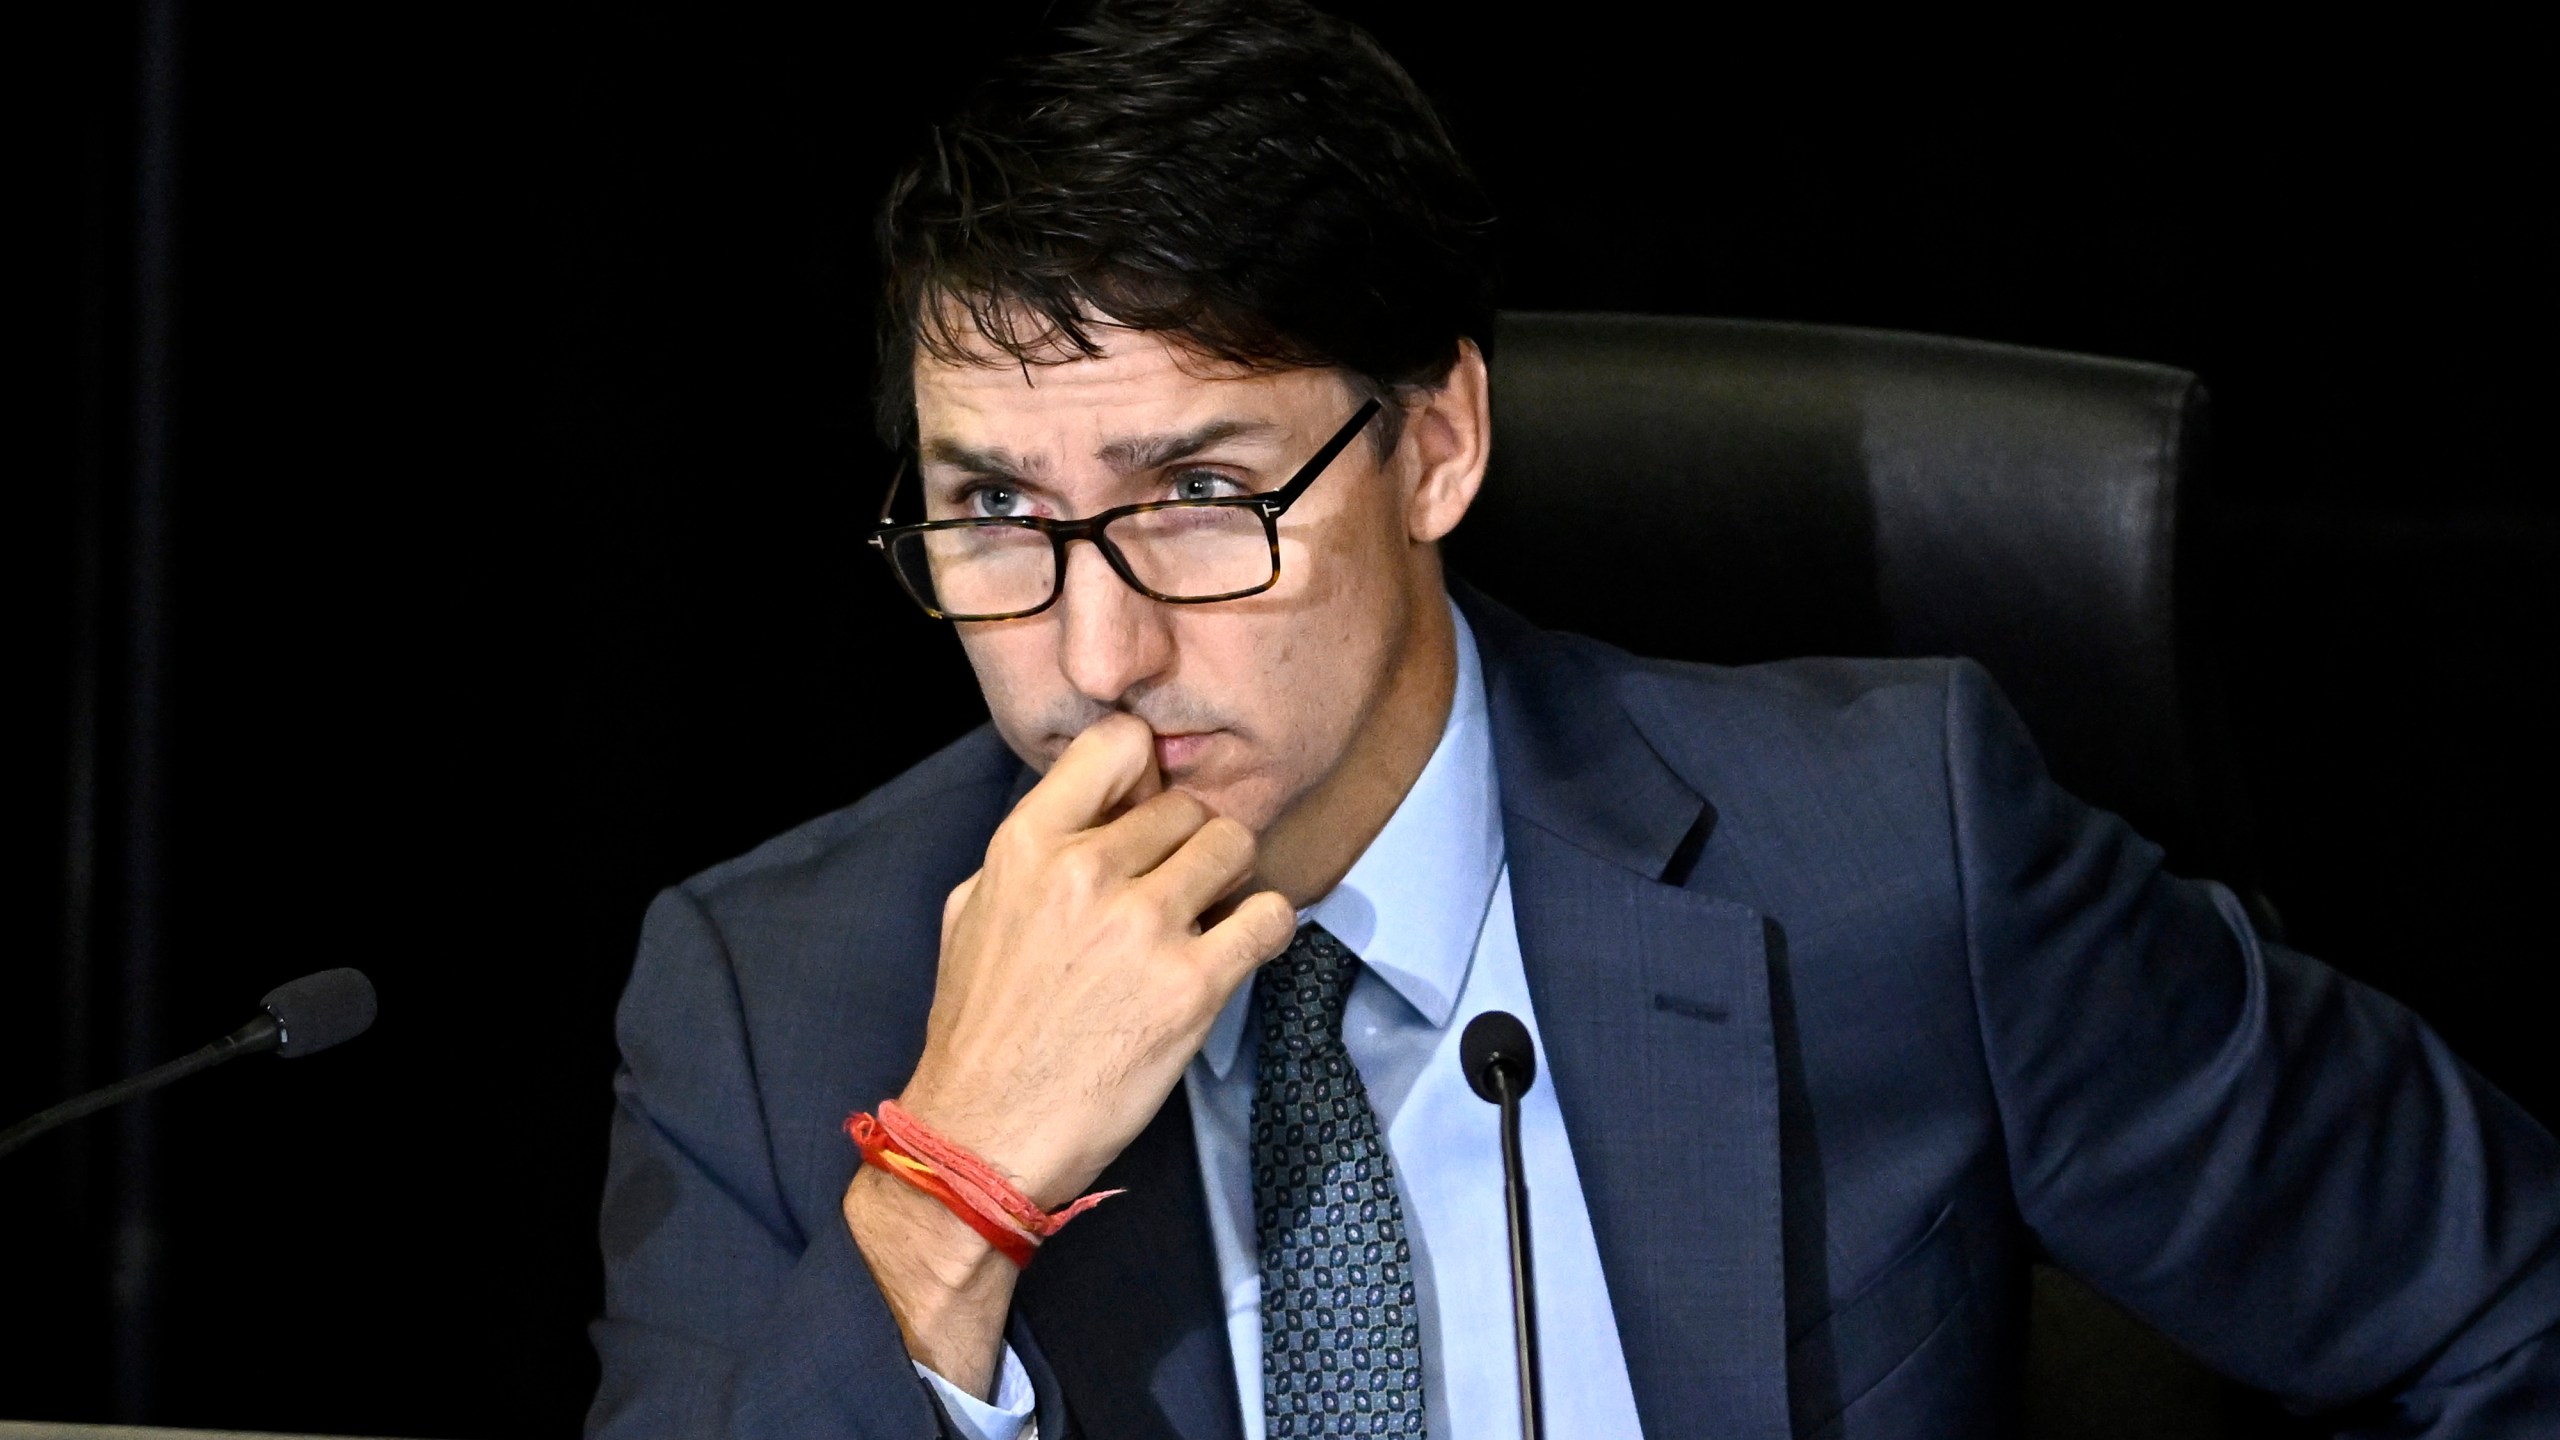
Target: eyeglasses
[(1182, 552)]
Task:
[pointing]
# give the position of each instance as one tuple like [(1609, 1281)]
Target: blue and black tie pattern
[(1341, 1347)]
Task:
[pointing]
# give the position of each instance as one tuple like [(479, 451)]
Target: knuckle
[(1112, 732), (1079, 865), (1201, 991), (1170, 809), (1118, 931), (1010, 843), (1275, 922), (1183, 806), (1229, 836), (1237, 845)]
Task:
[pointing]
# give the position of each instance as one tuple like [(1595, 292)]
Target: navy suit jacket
[(1851, 1012)]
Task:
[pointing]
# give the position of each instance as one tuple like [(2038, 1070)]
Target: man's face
[(1256, 702)]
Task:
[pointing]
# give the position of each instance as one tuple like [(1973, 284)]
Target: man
[(1845, 1013)]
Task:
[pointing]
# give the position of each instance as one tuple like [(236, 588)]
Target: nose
[(1111, 639)]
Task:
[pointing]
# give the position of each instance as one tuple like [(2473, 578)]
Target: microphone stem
[(1524, 1301), (259, 1034)]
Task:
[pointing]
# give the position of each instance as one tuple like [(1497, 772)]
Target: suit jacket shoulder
[(772, 996), (950, 787), (1999, 1028), (830, 932)]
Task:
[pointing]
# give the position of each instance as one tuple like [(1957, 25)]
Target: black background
[(520, 455)]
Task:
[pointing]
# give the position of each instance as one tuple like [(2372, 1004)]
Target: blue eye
[(987, 500), (1204, 485)]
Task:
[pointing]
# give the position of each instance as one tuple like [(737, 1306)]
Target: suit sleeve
[(2280, 1168), (722, 1318)]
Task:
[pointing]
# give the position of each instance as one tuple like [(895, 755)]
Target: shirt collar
[(1413, 902)]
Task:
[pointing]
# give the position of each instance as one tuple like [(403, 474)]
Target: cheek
[(1017, 672), (1352, 604), (1312, 663), (1260, 673)]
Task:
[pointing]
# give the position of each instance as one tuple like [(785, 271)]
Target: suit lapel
[(1127, 1303), (1654, 1006)]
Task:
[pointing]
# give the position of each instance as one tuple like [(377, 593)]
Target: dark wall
[(518, 458)]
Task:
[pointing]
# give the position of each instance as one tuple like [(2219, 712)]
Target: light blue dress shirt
[(1428, 909)]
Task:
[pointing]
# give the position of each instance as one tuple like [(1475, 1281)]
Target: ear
[(1451, 432)]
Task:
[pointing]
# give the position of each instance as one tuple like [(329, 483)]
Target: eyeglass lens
[(1179, 552)]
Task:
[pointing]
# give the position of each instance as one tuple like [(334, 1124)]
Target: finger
[(1261, 926), (1140, 840), (1212, 862), (1150, 785), (1101, 767)]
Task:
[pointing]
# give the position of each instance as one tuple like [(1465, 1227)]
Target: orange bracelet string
[(967, 1186)]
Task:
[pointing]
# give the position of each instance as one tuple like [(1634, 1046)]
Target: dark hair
[(1259, 178)]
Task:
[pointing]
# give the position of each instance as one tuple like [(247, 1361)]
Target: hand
[(1076, 981), (1077, 978)]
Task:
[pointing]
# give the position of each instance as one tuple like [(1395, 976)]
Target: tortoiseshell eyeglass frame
[(1269, 504)]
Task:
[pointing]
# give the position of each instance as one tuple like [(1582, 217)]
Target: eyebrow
[(988, 461), (1127, 455), (1149, 452)]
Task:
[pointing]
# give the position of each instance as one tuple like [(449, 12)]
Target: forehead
[(1141, 382)]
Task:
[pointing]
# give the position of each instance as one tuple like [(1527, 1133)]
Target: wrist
[(917, 1236), (1021, 1148), (947, 1288)]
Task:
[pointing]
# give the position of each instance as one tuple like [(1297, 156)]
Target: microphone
[(1501, 1064), (298, 1018)]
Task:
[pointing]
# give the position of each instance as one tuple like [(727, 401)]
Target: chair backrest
[(1738, 490)]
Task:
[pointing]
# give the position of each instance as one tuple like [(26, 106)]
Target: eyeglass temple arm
[(891, 498), (1287, 495)]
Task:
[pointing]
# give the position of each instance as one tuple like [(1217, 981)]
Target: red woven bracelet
[(967, 1186)]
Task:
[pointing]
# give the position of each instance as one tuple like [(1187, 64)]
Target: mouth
[(1177, 753)]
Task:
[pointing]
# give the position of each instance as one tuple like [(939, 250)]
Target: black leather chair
[(1739, 490)]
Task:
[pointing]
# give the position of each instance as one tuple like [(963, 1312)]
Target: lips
[(1178, 752)]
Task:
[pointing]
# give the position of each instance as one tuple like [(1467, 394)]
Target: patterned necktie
[(1341, 1351)]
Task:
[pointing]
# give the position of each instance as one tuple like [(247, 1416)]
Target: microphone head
[(318, 1011), (1494, 1039)]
